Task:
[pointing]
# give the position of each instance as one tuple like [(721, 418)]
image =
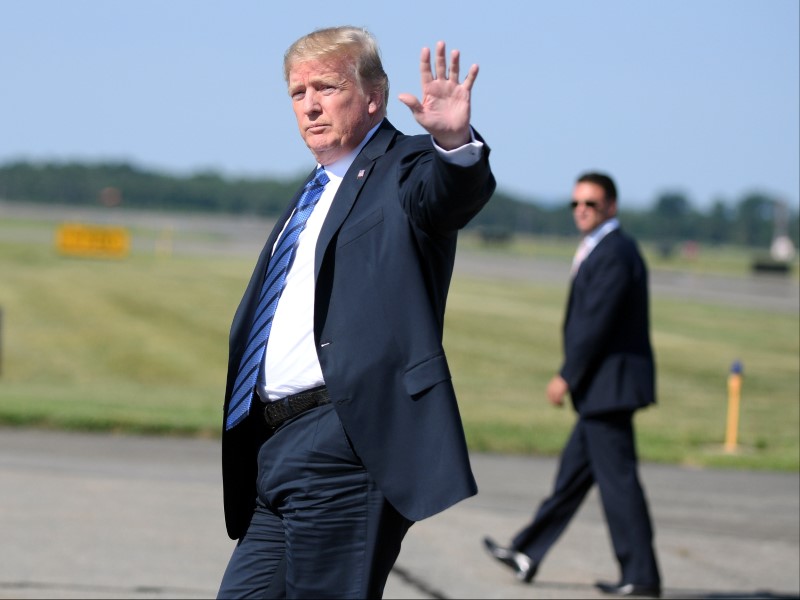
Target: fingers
[(440, 70), (454, 65), (472, 74), (441, 63), (425, 66)]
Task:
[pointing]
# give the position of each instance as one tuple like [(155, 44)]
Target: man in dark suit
[(609, 372), (346, 430)]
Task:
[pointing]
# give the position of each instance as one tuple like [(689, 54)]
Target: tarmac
[(112, 516)]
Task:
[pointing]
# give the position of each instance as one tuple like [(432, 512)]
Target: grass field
[(141, 345)]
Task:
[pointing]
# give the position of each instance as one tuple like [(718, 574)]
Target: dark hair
[(603, 180)]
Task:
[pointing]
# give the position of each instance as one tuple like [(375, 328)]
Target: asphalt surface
[(108, 516)]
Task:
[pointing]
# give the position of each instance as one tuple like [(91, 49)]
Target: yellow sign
[(93, 240)]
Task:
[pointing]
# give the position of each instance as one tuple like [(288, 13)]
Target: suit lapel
[(585, 266), (351, 187)]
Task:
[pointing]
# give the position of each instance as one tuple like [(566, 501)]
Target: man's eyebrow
[(331, 79)]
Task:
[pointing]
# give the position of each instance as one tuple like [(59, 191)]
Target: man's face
[(590, 206), (333, 112)]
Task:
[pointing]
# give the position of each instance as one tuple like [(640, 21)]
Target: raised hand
[(444, 110)]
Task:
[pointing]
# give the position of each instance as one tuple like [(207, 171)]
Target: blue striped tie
[(274, 282)]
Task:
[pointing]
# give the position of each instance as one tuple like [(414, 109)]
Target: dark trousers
[(600, 450), (321, 528)]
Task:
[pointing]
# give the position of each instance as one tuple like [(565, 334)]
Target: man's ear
[(375, 102)]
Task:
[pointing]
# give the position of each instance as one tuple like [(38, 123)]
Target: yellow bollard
[(734, 390)]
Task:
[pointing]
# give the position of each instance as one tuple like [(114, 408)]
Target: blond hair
[(355, 46)]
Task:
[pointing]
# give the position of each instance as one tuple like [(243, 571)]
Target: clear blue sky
[(695, 96)]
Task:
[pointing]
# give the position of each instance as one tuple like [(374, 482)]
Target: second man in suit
[(609, 372)]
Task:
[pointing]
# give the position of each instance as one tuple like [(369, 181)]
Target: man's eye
[(298, 96)]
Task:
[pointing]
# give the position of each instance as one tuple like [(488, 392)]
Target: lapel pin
[(360, 174)]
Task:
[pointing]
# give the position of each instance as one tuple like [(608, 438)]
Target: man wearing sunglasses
[(609, 373)]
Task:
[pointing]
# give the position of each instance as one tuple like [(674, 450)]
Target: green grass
[(504, 345), (705, 259), (141, 345)]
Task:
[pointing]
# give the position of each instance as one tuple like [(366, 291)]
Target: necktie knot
[(312, 189), (320, 178)]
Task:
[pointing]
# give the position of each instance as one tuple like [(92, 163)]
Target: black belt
[(278, 411)]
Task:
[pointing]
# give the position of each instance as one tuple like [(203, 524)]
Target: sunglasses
[(588, 203)]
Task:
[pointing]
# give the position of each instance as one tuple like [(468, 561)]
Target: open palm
[(444, 110)]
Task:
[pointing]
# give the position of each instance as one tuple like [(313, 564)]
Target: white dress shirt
[(590, 241), (593, 237)]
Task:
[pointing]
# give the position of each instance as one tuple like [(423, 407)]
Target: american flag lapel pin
[(360, 174)]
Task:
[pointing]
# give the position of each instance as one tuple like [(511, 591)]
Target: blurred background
[(145, 148)]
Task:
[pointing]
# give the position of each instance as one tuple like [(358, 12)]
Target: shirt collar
[(338, 168), (598, 233)]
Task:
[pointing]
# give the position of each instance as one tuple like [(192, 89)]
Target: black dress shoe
[(629, 589), (522, 564)]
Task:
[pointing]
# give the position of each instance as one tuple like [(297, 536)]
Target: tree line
[(751, 221)]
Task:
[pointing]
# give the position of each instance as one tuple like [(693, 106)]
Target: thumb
[(411, 102)]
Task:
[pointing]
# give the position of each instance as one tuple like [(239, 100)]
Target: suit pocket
[(352, 232), (424, 375), (623, 382)]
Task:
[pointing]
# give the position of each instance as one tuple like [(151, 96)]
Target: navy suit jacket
[(384, 260), (608, 359)]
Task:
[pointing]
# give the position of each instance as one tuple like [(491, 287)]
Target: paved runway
[(105, 516)]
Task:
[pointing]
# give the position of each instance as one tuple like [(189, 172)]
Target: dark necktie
[(274, 282)]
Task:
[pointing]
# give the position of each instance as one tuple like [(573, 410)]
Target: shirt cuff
[(465, 156)]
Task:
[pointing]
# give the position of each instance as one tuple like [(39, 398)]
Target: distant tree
[(637, 222), (754, 221), (717, 224), (504, 216), (670, 221), (671, 216), (83, 184)]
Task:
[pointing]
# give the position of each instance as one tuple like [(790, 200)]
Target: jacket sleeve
[(439, 196)]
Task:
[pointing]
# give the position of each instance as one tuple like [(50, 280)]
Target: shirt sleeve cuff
[(465, 156)]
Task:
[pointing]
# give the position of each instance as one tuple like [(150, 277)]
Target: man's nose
[(310, 104)]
